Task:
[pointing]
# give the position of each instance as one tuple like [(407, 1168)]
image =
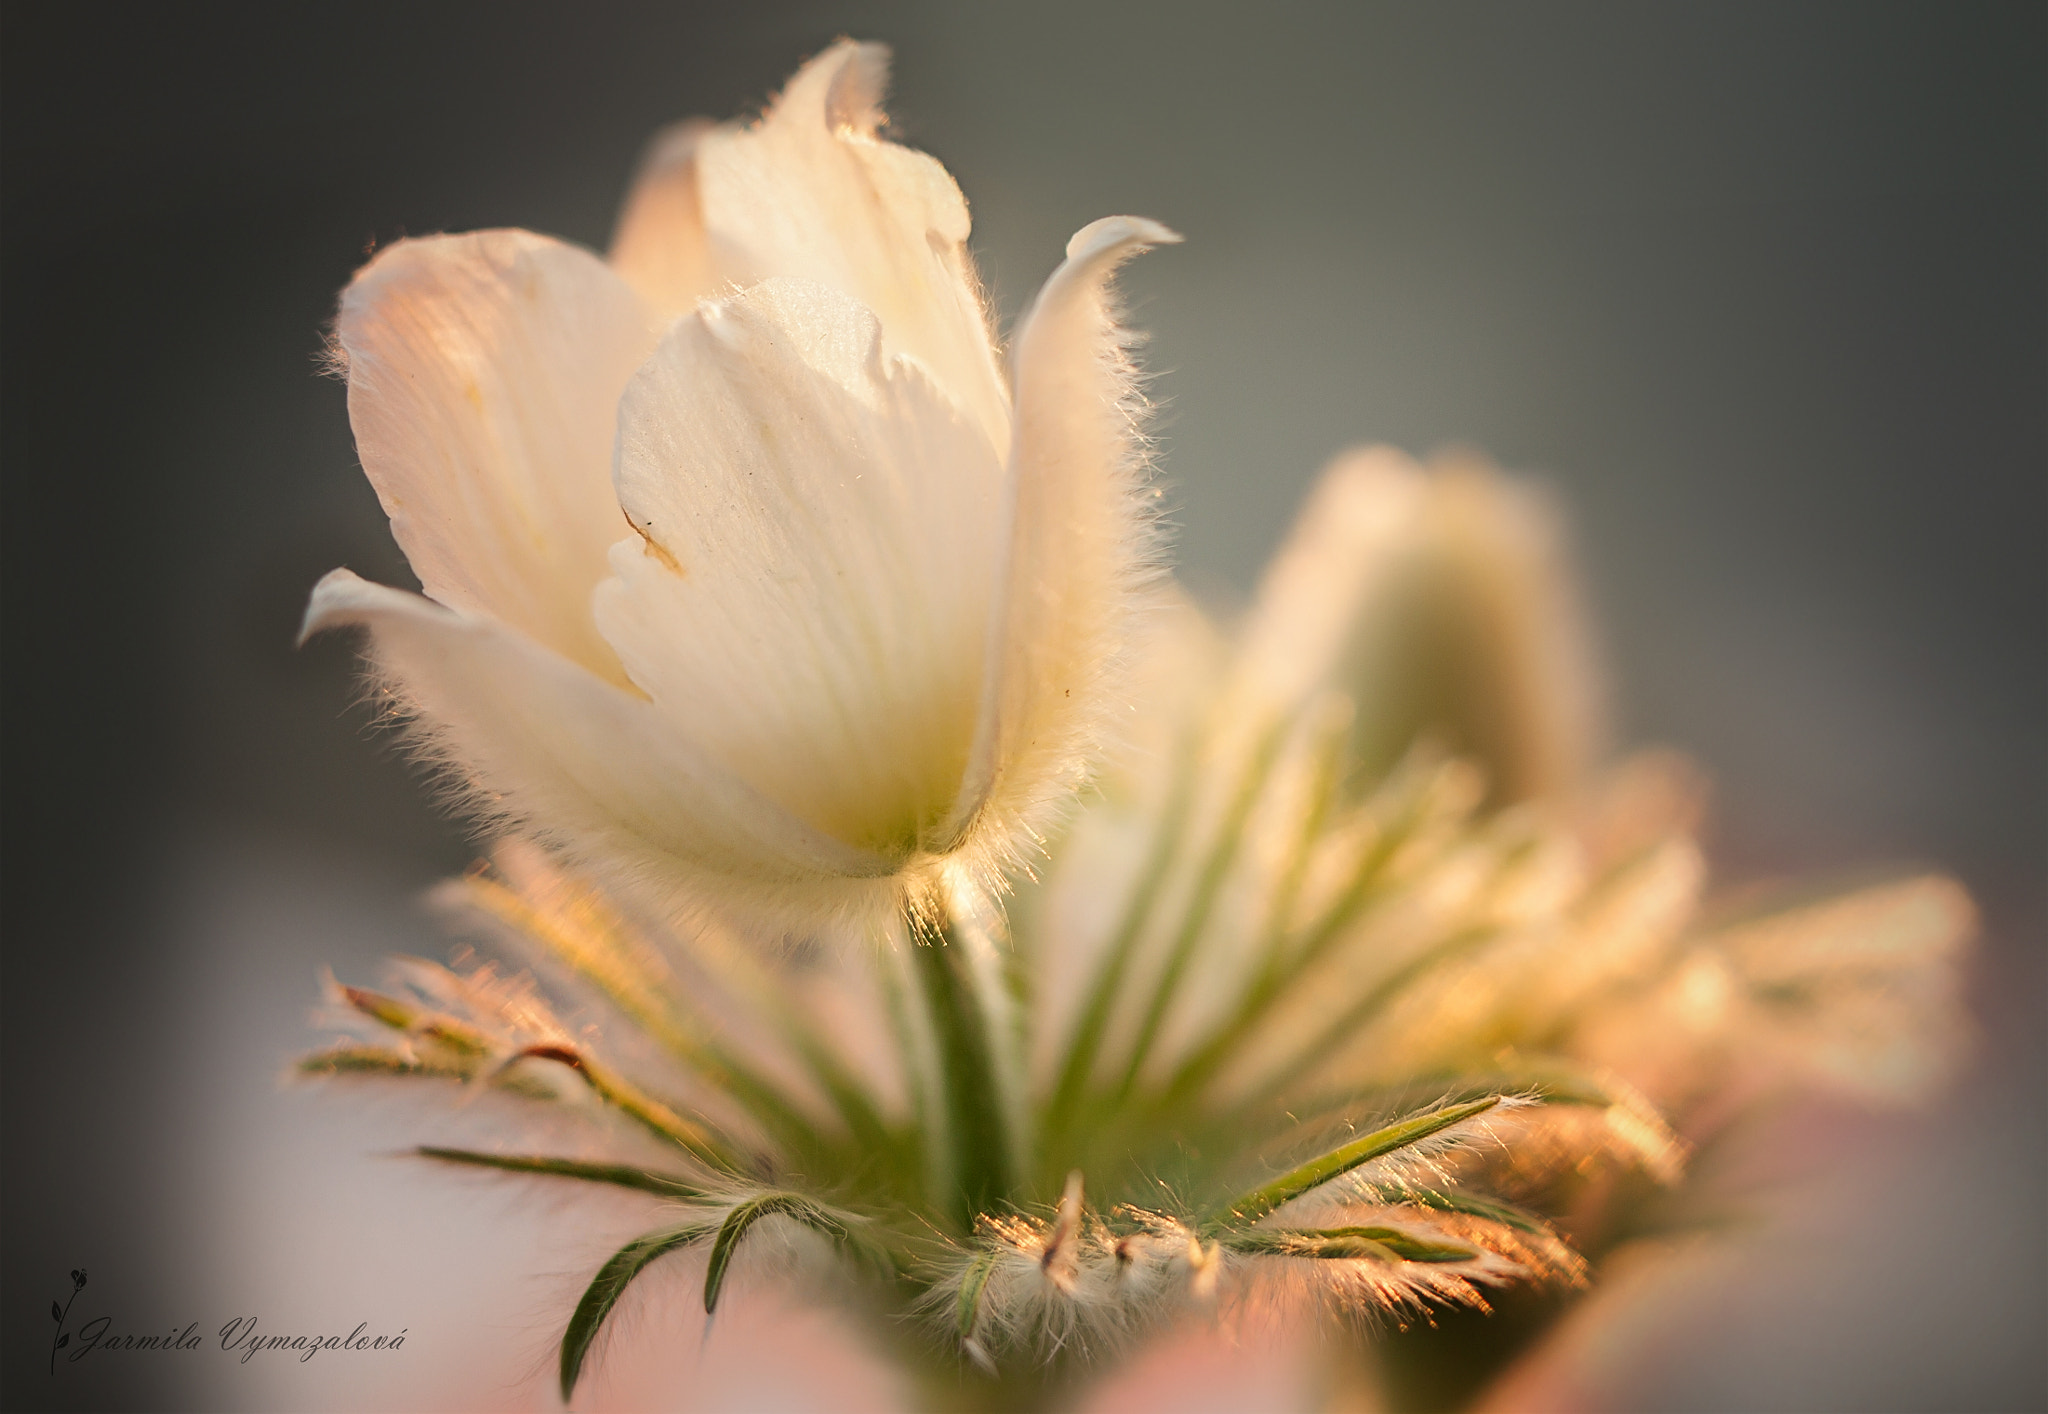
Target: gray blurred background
[(1758, 288)]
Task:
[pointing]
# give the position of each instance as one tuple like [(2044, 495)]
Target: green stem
[(983, 1165), (910, 1020)]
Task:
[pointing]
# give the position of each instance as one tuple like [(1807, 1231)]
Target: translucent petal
[(811, 192), (660, 247), (1080, 538), (810, 592), (484, 371), (537, 741)]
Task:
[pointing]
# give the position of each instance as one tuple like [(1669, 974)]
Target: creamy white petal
[(659, 245), (484, 372), (536, 741), (1080, 539), (812, 192), (810, 592)]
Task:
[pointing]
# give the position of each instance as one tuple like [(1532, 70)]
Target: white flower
[(747, 572)]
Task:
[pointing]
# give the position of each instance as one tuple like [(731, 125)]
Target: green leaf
[(1492, 1209), (371, 1060), (355, 1059), (1377, 1244), (843, 1228), (465, 1042), (1282, 968), (605, 951), (967, 1312), (1093, 1024), (1554, 1080), (618, 1175), (609, 1285), (1208, 883), (1453, 947), (1320, 1170), (389, 1011), (615, 1090)]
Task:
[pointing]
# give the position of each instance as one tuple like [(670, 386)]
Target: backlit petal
[(810, 591), (595, 770), (812, 192), (660, 246), (1080, 537), (484, 372)]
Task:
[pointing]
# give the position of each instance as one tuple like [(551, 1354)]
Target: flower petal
[(811, 192), (660, 247), (1081, 539), (596, 771), (1439, 601), (1860, 990), (1349, 532), (810, 597), (484, 371)]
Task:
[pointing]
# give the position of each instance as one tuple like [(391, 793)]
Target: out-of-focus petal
[(1341, 547), (812, 192), (1641, 800), (1439, 601), (484, 374), (1081, 539), (810, 592), (1861, 992), (660, 246), (595, 770)]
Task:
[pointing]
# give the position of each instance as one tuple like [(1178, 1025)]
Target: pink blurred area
[(300, 1208)]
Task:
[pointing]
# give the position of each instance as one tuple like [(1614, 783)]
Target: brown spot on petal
[(655, 550)]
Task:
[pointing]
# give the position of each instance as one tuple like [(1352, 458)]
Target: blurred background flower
[(1758, 289)]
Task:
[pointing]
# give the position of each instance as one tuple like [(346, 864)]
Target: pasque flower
[(747, 571), (1361, 989)]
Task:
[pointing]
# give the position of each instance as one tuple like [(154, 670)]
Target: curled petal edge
[(1081, 545)]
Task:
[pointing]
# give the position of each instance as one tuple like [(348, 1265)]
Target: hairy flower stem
[(975, 1135)]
